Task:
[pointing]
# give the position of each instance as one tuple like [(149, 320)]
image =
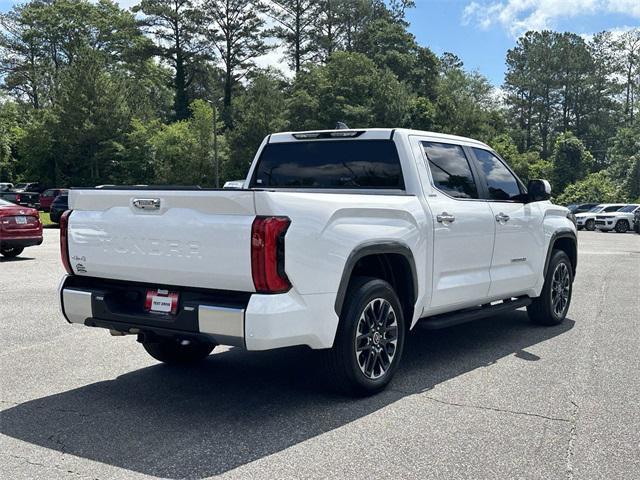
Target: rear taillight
[(267, 254), (18, 198), (64, 241)]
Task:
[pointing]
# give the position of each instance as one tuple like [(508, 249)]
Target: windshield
[(597, 208), (21, 185), (628, 208)]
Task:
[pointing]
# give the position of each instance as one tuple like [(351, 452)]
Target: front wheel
[(174, 351), (551, 307), (622, 226), (11, 252), (369, 341), (590, 225)]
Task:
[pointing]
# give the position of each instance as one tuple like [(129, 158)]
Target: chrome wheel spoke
[(376, 338)]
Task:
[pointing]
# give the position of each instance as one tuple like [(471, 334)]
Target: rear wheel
[(369, 341), (622, 226), (174, 351), (590, 225), (11, 252), (551, 307)]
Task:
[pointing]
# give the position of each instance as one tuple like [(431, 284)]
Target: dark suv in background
[(58, 207)]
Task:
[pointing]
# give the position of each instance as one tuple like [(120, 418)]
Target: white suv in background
[(587, 220), (621, 221)]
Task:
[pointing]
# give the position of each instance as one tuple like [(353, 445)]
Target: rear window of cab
[(330, 164)]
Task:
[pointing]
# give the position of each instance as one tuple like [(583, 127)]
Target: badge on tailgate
[(147, 203), (161, 301)]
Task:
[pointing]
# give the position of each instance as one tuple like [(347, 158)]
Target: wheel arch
[(388, 260), (566, 241)]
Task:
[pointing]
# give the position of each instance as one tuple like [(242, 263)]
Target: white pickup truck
[(340, 240)]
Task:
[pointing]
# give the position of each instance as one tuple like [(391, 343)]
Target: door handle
[(501, 217), (444, 217)]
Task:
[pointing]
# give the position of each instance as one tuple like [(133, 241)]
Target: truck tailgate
[(196, 238)]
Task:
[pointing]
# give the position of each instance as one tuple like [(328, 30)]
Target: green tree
[(624, 158), (91, 121), (259, 112), (465, 104), (237, 29), (176, 26), (294, 27), (571, 161), (350, 88), (596, 187)]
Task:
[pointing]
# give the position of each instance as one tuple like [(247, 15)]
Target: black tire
[(590, 225), (173, 351), (377, 347), (622, 226), (11, 252), (547, 309)]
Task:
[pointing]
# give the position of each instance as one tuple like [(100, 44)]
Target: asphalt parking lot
[(498, 398)]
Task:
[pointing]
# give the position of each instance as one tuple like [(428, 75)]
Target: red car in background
[(20, 227), (48, 196)]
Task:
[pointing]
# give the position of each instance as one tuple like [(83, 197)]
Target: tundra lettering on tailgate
[(148, 246)]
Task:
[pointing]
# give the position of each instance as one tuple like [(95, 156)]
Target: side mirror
[(539, 190)]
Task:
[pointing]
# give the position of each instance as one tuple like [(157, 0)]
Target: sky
[(481, 31)]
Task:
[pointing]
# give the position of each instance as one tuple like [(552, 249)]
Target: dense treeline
[(97, 94)]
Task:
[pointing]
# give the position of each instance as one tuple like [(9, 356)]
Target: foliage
[(350, 89), (571, 161), (596, 188), (91, 93)]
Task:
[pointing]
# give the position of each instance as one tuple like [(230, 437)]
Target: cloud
[(518, 16)]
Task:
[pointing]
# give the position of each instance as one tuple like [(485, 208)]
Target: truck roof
[(368, 134)]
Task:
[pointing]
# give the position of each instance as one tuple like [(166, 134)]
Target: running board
[(468, 315)]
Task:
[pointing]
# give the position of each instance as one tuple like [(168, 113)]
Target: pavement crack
[(53, 466), (496, 409), (572, 441)]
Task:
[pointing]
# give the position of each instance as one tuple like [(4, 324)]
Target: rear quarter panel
[(327, 227)]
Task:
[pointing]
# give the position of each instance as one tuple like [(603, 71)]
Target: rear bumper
[(251, 321), (20, 242)]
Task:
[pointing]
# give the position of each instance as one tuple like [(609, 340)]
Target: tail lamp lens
[(267, 254), (64, 241)]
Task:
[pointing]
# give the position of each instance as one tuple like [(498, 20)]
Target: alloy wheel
[(376, 338), (560, 289)]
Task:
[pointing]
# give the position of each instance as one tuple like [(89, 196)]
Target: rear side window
[(501, 183), (612, 208), (450, 170), (342, 164)]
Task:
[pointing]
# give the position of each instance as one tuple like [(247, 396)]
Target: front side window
[(450, 169), (501, 183), (332, 164)]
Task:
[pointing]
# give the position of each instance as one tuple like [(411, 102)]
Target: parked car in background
[(587, 220), (20, 227), (29, 187), (621, 221), (5, 186), (48, 196), (581, 207), (26, 199), (59, 206), (636, 221)]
